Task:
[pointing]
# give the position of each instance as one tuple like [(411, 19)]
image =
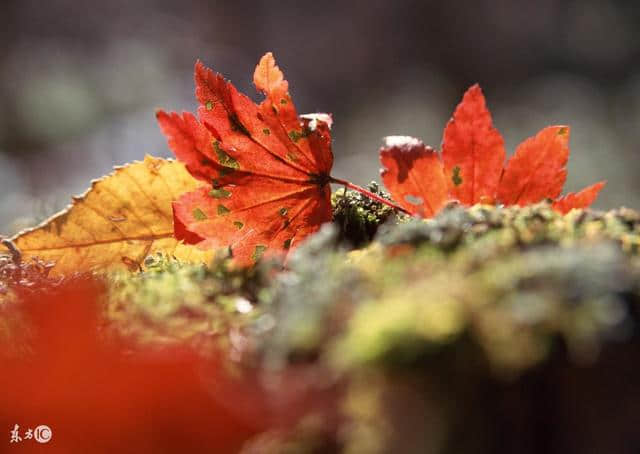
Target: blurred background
[(80, 81)]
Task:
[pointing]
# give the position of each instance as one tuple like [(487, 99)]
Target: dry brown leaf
[(120, 220)]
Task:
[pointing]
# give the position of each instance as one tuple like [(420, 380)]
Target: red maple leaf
[(471, 167), (267, 168)]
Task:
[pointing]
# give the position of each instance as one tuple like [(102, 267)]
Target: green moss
[(304, 299), (173, 302), (423, 316), (501, 278), (498, 277), (514, 306), (358, 217), (435, 314), (496, 229)]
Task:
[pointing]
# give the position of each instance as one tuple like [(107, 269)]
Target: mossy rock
[(485, 329)]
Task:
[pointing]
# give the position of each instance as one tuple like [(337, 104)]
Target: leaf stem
[(368, 193)]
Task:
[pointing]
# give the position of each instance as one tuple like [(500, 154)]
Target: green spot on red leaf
[(209, 105), (223, 158), (456, 178), (220, 193), (287, 244), (238, 224), (258, 252), (223, 210), (266, 131), (294, 135), (198, 214)]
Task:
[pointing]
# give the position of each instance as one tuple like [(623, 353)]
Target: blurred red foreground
[(96, 397)]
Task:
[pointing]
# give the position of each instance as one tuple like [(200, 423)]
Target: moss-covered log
[(486, 329)]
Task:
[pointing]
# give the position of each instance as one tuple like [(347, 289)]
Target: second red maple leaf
[(470, 169)]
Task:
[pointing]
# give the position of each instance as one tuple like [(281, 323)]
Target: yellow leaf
[(120, 220)]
